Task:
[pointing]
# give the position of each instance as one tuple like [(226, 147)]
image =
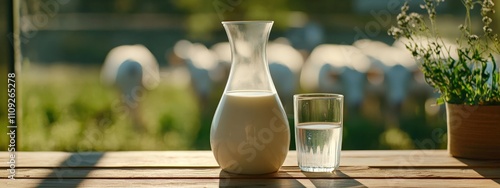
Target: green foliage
[(204, 17), (467, 74), (67, 108)]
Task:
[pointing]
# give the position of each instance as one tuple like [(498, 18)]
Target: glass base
[(317, 169)]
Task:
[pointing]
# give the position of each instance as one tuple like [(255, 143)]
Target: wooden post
[(10, 55)]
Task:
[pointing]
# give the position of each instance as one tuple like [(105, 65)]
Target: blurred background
[(78, 91)]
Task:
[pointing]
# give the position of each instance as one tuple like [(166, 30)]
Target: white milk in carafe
[(249, 133)]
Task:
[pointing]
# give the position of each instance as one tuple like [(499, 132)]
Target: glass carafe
[(249, 133)]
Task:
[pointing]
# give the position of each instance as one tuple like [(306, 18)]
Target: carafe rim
[(248, 21)]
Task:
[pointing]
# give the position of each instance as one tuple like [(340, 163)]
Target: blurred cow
[(339, 69), (397, 66), (203, 67), (223, 52), (285, 64), (132, 69)]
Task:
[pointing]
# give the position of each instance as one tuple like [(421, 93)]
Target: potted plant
[(465, 74)]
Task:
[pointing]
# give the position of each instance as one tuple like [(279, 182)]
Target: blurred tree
[(322, 7), (204, 17), (6, 58), (126, 6)]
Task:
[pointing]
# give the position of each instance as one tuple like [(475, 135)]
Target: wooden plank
[(112, 159), (285, 172), (252, 183), (422, 168), (372, 158)]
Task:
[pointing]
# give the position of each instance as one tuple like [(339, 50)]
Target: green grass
[(66, 108)]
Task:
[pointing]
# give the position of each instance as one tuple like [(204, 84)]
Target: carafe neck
[(249, 67)]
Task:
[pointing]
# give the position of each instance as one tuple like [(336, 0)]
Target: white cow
[(397, 65), (285, 63), (223, 52), (339, 69), (132, 69), (202, 65)]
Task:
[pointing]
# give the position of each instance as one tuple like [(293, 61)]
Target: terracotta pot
[(473, 131)]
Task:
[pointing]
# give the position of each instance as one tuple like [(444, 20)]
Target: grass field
[(66, 108)]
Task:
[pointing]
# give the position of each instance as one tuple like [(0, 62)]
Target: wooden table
[(415, 168)]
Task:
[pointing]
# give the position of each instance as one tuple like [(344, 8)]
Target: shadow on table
[(284, 179), (486, 168), (265, 180), (76, 167), (334, 179)]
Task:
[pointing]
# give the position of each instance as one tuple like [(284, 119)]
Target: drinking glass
[(318, 130)]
